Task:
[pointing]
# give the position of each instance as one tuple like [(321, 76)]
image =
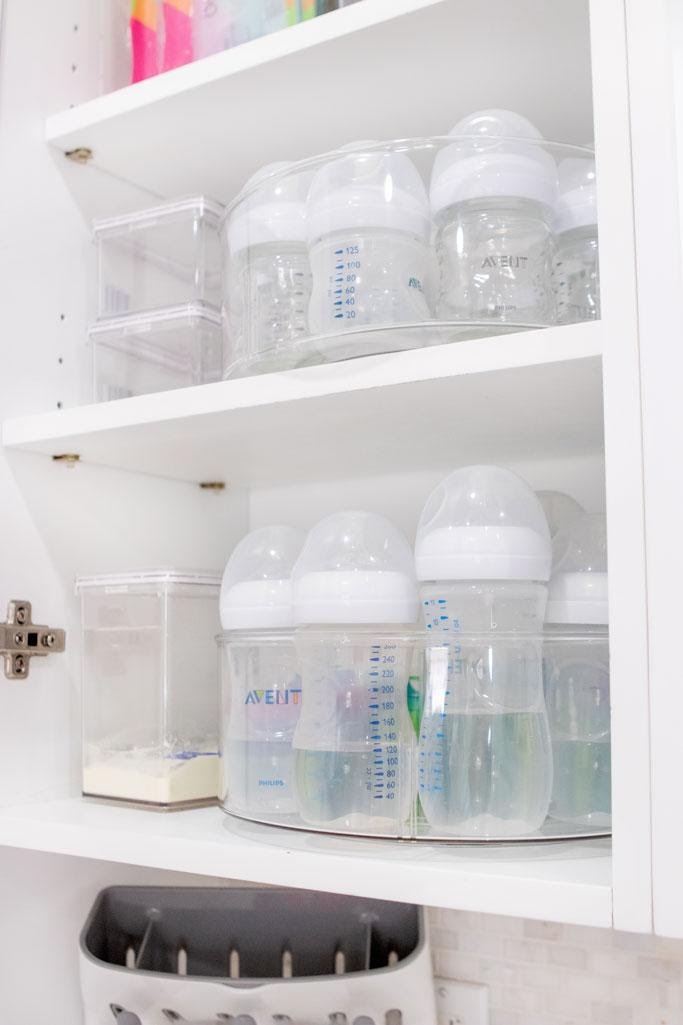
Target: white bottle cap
[(356, 567), (273, 208), (256, 592), (559, 509), (368, 189), (483, 523), (577, 204), (493, 158), (578, 586)]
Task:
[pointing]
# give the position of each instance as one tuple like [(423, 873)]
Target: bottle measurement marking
[(381, 782), (342, 290)]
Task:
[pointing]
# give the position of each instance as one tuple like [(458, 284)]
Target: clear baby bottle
[(483, 559), (261, 685), (560, 509), (368, 234), (577, 276), (354, 592), (576, 669), (268, 278), (493, 194)]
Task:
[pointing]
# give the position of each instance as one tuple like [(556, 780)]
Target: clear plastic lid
[(559, 509), (356, 567), (578, 586), (492, 158), (144, 577), (483, 523), (273, 210), (367, 188), (577, 204), (256, 591), (197, 206), (194, 314)]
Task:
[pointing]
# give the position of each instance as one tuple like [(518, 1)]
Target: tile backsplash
[(542, 973)]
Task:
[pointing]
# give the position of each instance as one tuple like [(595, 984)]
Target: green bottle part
[(414, 701)]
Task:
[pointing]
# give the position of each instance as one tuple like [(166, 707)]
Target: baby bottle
[(268, 277), (368, 233), (483, 560), (576, 668), (261, 686), (354, 591), (577, 278), (493, 195), (560, 509)]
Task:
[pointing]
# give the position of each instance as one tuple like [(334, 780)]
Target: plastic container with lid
[(267, 273), (493, 195), (483, 558), (355, 605), (142, 353), (150, 687), (577, 275), (576, 670), (160, 257), (368, 234), (261, 685)]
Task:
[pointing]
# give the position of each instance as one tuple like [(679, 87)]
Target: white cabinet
[(562, 405)]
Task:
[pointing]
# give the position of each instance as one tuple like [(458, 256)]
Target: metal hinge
[(21, 639)]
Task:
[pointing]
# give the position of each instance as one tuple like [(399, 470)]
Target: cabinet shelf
[(568, 882), (308, 89), (533, 393)]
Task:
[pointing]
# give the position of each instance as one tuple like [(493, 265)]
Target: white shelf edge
[(511, 352), (567, 883), (325, 28)]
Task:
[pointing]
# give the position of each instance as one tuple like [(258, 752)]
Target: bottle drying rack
[(253, 956)]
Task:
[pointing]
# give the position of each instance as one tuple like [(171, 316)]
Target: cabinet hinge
[(21, 639)]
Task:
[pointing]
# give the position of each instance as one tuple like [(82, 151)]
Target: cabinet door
[(656, 73)]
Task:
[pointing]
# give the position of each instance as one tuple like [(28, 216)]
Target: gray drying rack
[(252, 956)]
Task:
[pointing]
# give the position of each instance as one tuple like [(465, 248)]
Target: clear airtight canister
[(483, 560), (576, 670), (577, 276), (261, 685), (355, 605), (493, 195), (267, 275), (368, 234)]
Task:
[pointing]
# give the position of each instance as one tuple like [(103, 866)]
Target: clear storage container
[(475, 699), (143, 353), (260, 678), (160, 257), (150, 687), (372, 244)]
